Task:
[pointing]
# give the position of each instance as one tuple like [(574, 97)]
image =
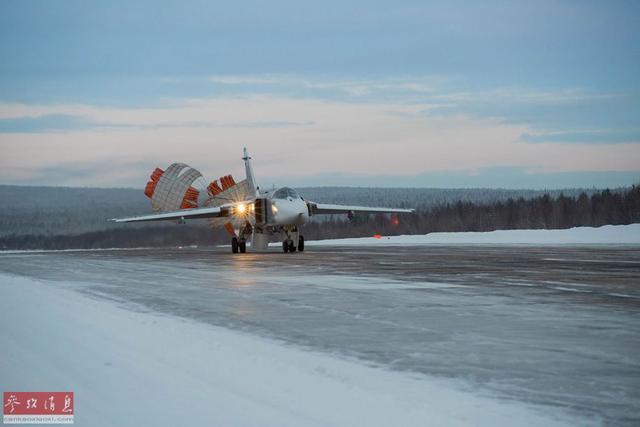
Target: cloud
[(603, 136), (44, 123), (287, 136), (243, 79), (329, 87), (495, 177), (551, 111), (432, 88), (69, 123), (524, 95)]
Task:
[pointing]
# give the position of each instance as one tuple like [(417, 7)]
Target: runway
[(552, 326)]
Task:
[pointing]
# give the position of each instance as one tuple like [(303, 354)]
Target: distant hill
[(29, 210), (424, 198)]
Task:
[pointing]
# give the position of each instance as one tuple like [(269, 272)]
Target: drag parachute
[(177, 188)]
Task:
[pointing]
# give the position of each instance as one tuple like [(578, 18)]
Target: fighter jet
[(247, 213)]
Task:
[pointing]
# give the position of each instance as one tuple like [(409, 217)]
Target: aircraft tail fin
[(253, 188)]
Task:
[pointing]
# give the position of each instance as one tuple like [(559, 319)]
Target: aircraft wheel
[(234, 245), (242, 246), (291, 247), (285, 246), (301, 244)]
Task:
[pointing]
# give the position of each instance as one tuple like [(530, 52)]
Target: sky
[(507, 94)]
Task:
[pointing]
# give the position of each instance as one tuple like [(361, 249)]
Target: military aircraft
[(242, 208)]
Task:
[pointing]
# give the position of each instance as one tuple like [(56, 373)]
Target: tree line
[(545, 211), (31, 210)]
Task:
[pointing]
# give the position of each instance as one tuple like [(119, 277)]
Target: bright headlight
[(274, 208), (241, 208)]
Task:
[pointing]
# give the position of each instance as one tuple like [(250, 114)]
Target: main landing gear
[(288, 246), (239, 241), (238, 245)]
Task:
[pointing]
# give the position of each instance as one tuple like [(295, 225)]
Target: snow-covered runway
[(131, 368), (338, 335)]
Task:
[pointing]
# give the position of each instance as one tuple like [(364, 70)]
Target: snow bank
[(129, 367), (606, 235)]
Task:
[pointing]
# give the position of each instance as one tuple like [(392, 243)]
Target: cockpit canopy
[(284, 193)]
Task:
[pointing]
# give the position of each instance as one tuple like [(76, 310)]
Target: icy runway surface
[(551, 326)]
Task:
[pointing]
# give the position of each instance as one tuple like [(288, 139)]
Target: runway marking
[(614, 294), (595, 261), (560, 288)]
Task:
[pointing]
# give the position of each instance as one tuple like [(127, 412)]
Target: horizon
[(555, 190)]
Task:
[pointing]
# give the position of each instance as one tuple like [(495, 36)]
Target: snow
[(605, 235), (128, 366)]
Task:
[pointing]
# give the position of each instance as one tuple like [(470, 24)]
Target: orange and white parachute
[(175, 188)]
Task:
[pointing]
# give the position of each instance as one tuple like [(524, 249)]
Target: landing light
[(241, 208)]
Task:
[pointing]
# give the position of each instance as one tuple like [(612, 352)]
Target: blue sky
[(492, 93)]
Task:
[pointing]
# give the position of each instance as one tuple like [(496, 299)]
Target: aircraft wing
[(321, 208), (213, 212)]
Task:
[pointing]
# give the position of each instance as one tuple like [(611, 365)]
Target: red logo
[(38, 407)]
